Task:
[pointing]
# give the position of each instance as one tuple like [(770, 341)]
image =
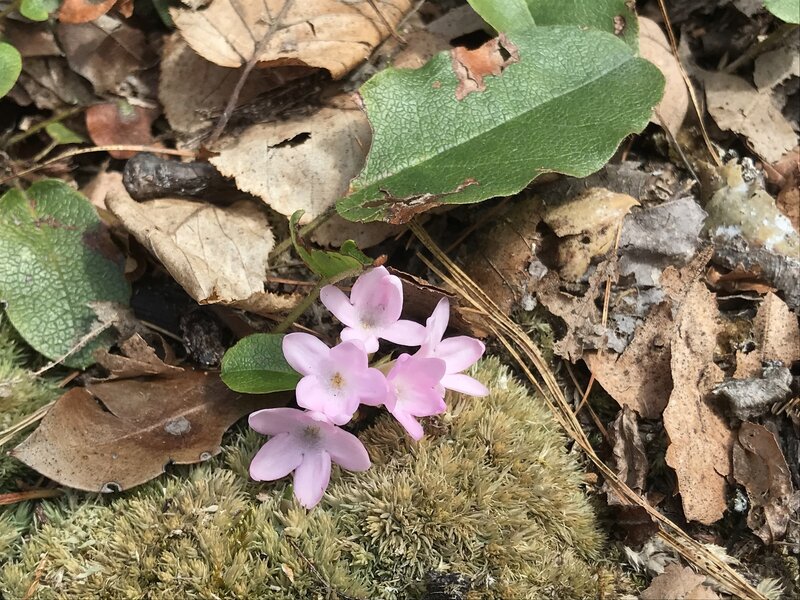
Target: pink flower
[(373, 311), (336, 379), (414, 391), (305, 445), (458, 352)]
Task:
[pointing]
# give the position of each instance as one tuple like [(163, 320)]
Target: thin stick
[(37, 494), (56, 118), (80, 344), (298, 310)]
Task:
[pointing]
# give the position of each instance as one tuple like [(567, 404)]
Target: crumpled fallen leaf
[(137, 359), (699, 437), (629, 458), (653, 46), (120, 123), (776, 333), (114, 435), (774, 67), (217, 254), (83, 11), (587, 224), (332, 34), (753, 396), (678, 583), (759, 465), (302, 163), (49, 83)]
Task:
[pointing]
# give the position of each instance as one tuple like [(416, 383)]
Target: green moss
[(489, 493)]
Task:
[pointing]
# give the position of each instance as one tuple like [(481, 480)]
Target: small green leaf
[(785, 10), (62, 134), (10, 67), (505, 16), (38, 10), (255, 365), (613, 16), (57, 260), (326, 263), (564, 99)]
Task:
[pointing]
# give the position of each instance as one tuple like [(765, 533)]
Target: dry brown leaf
[(774, 67), (31, 39), (699, 437), (114, 435), (759, 465), (336, 230), (777, 337), (419, 48), (629, 458), (587, 224), (120, 123), (678, 583), (737, 106), (641, 377), (49, 83), (83, 11), (217, 254), (304, 163), (331, 34), (653, 46), (138, 359)]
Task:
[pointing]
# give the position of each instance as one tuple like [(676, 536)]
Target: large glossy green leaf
[(614, 16), (10, 67), (255, 365), (509, 15), (786, 10), (564, 100), (57, 262)]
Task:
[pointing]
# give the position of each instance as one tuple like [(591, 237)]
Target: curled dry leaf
[(303, 163), (629, 458), (759, 465), (699, 437), (776, 333), (217, 254), (83, 11), (120, 123), (114, 435), (331, 34), (753, 396), (653, 46), (137, 359), (679, 583)]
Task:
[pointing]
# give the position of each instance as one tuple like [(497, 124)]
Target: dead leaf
[(759, 465), (699, 437), (303, 163), (738, 280), (774, 67), (120, 123), (217, 254), (629, 458), (331, 34), (587, 224), (678, 583), (754, 396), (138, 359), (641, 377), (489, 60), (653, 46), (105, 51), (777, 337), (49, 83), (336, 230), (83, 11), (31, 39), (112, 436), (737, 106)]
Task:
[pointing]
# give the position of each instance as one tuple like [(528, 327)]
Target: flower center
[(311, 435), (337, 381)]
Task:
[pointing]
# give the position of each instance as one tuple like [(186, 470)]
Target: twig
[(248, 67), (56, 118), (771, 41), (37, 494), (111, 148), (386, 23), (298, 310)]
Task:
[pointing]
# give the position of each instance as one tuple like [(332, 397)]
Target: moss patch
[(489, 493)]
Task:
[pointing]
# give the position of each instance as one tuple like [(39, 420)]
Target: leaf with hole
[(255, 365)]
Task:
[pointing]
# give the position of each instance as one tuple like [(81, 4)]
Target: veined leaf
[(509, 15), (10, 67), (255, 365), (327, 263), (549, 99), (785, 10), (613, 16)]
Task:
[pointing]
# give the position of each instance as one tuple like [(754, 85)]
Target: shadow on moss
[(489, 493)]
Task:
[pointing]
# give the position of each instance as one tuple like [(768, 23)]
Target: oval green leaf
[(10, 67), (509, 15), (612, 16), (38, 10), (255, 365), (563, 100), (785, 10)]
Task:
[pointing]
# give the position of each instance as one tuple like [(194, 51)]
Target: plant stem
[(298, 310), (305, 230), (59, 116)]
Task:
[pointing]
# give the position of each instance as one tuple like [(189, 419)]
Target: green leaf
[(785, 10), (505, 16), (10, 67), (325, 263), (613, 16), (38, 10), (62, 134), (255, 365), (56, 261), (565, 99)]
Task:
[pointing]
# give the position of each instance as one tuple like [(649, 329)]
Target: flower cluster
[(337, 380)]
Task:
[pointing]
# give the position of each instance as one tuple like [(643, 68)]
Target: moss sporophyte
[(337, 380)]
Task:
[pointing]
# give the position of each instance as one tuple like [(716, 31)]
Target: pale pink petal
[(366, 285), (406, 333), (336, 301), (436, 324), (372, 388), (459, 352), (378, 301), (315, 396), (458, 382), (272, 421), (410, 424), (305, 353), (422, 402), (349, 357), (357, 334), (311, 478), (346, 450), (277, 458)]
